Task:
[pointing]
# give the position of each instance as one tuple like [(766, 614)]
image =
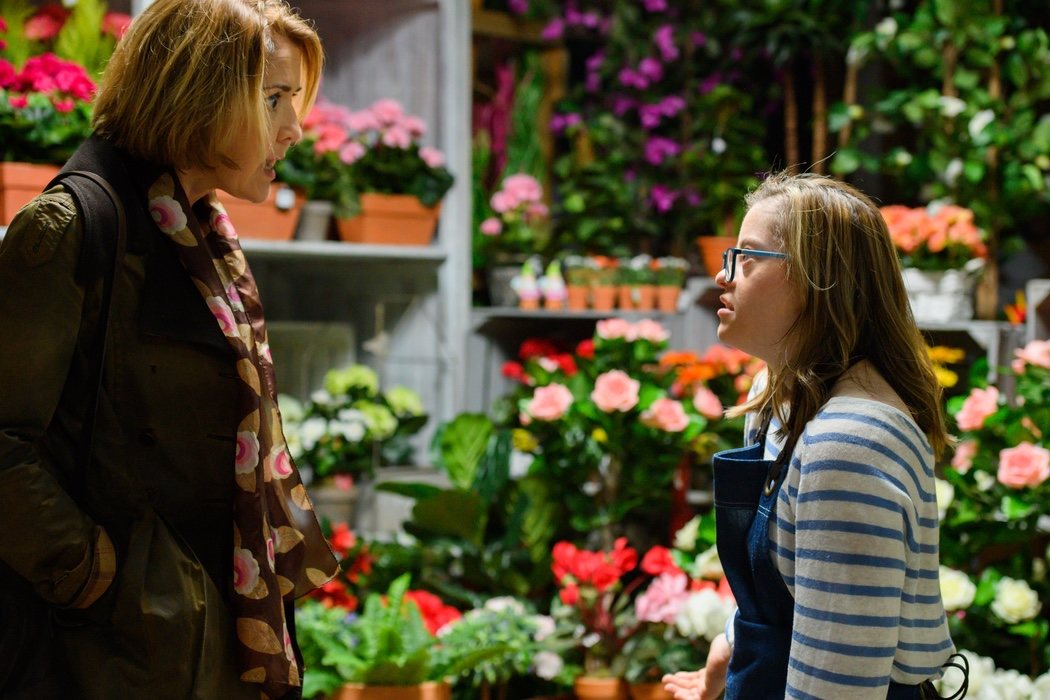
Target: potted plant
[(942, 252), (577, 281), (518, 227), (669, 273), (386, 652), (47, 64), (346, 430)]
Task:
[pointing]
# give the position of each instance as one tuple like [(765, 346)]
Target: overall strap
[(97, 222)]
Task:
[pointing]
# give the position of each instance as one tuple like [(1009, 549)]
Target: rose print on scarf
[(167, 213), (247, 452), (220, 221), (279, 463), (224, 315), (245, 571), (236, 303)]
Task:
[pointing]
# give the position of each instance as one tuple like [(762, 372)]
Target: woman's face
[(760, 304), (283, 80)]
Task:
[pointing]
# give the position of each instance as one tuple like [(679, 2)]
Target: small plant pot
[(625, 297), (667, 298), (650, 691), (599, 688), (431, 690), (578, 297), (603, 298)]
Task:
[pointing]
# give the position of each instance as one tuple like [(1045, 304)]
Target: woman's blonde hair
[(187, 77), (855, 307)]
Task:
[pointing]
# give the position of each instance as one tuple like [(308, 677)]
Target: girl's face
[(760, 304), (251, 178)]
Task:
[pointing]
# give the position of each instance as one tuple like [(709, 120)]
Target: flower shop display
[(385, 186), (636, 282), (995, 530), (942, 252), (346, 430), (516, 227)]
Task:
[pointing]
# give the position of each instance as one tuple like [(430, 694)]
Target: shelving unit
[(1037, 296)]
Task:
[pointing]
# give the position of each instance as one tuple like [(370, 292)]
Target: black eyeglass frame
[(730, 254)]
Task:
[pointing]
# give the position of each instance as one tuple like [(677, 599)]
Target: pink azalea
[(664, 40), (549, 403), (707, 403), (554, 29), (663, 599), (615, 391), (667, 415), (43, 27), (523, 188), (360, 122), (413, 125), (63, 105), (980, 404), (18, 101), (1025, 465), (491, 226), (330, 137)]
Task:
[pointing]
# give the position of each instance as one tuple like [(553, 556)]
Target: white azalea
[(957, 590), (547, 664), (351, 431), (887, 27), (1015, 601), (704, 615), (1007, 685)]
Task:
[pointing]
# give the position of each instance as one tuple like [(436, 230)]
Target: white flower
[(351, 430), (887, 27), (312, 430), (902, 158), (704, 615), (544, 627), (322, 398), (945, 495), (951, 107), (957, 590), (979, 121), (504, 602), (707, 565), (1007, 685), (547, 664), (685, 538), (718, 145), (590, 639), (981, 669), (984, 480), (520, 462), (291, 409), (1015, 600), (1041, 687), (953, 170)]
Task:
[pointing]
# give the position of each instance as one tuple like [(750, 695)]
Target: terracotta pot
[(19, 183), (599, 688), (649, 691), (667, 298), (528, 304), (431, 690), (603, 298), (553, 304), (390, 219), (273, 219), (577, 297), (711, 249), (645, 297), (334, 503), (625, 297)]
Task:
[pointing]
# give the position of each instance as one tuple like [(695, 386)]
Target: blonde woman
[(164, 564), (827, 521)]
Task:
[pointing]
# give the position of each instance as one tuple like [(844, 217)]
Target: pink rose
[(666, 414), (549, 402), (1035, 353), (663, 599), (648, 329), (615, 391), (962, 460), (613, 328), (245, 571), (707, 403), (491, 226), (1024, 465), (980, 404), (247, 455)]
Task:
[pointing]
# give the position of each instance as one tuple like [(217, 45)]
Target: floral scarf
[(279, 552)]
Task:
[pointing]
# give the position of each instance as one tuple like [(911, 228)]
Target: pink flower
[(667, 415), (397, 137), (1035, 353), (362, 121), (663, 599), (615, 391), (414, 125), (330, 137), (707, 403), (43, 27), (351, 152), (965, 451), (388, 111), (980, 404), (648, 329), (245, 571), (220, 221), (502, 202), (115, 24), (63, 105), (549, 402), (247, 455), (523, 188), (224, 315), (18, 101), (432, 157), (613, 328), (1024, 465), (491, 226), (270, 550), (167, 214)]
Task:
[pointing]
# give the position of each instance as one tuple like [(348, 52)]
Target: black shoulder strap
[(98, 222)]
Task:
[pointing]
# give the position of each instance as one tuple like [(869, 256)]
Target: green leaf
[(845, 161), (409, 489), (452, 512), (462, 445), (1015, 508)]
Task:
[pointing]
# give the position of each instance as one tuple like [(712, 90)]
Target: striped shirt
[(856, 540)]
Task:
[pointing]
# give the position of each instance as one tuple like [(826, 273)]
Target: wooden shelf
[(291, 251)]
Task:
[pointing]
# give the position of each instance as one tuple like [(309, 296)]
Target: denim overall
[(745, 500)]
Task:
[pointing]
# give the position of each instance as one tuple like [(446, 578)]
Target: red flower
[(570, 595), (566, 363), (514, 370), (115, 24), (563, 556), (623, 557), (586, 349), (434, 612), (658, 561), (536, 347), (342, 539), (335, 594), (46, 23)]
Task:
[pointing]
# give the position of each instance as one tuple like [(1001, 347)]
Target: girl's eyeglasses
[(730, 255)]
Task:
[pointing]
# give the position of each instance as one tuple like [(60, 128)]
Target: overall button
[(147, 437)]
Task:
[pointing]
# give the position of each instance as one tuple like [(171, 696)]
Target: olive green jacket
[(161, 479)]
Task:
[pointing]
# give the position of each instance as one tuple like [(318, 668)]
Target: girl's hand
[(707, 683)]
